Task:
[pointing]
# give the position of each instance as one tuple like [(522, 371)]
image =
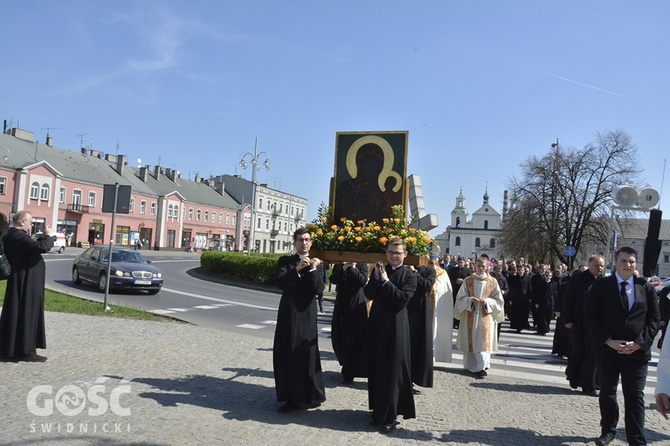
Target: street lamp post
[(255, 165)]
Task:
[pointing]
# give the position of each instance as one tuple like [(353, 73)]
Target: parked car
[(59, 241), (655, 281), (129, 270)]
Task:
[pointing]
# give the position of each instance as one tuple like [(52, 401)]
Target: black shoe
[(390, 427), (605, 439), (573, 384), (33, 357), (313, 404), (589, 392), (288, 407), (481, 373), (416, 391)]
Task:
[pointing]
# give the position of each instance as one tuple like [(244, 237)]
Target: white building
[(633, 232), (475, 236)]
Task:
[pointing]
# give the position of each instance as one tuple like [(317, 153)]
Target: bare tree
[(562, 198)]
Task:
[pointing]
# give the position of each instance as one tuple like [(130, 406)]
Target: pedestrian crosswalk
[(523, 355)]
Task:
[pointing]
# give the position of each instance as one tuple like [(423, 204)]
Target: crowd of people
[(392, 321)]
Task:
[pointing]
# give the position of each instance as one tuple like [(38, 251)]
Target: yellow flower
[(324, 219), (357, 229), (377, 228), (359, 239), (319, 232), (334, 228), (397, 220), (341, 238), (385, 221), (383, 240), (412, 230), (412, 239)]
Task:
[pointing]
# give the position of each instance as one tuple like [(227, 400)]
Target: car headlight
[(158, 275), (118, 273)]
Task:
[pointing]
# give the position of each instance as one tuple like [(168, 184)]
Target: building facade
[(65, 190), (472, 237)]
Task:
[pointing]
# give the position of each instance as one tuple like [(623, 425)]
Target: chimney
[(84, 150), (219, 186), (157, 171), (120, 162), (50, 141), (143, 173), (197, 178), (505, 204)]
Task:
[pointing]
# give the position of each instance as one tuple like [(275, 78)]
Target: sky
[(479, 85)]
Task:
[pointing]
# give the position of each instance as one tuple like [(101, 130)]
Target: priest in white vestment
[(442, 306), (479, 308)]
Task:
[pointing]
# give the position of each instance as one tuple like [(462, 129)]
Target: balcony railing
[(78, 208), (274, 232)]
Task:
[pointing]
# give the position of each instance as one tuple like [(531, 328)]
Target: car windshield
[(126, 257)]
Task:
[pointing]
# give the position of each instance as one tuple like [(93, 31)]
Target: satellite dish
[(624, 196), (648, 197), (139, 161)]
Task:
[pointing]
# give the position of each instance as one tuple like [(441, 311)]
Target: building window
[(227, 219), (234, 220), (260, 204), (153, 208), (492, 244), (169, 211), (91, 199), (478, 242), (206, 215), (45, 191), (61, 195), (76, 197), (258, 224), (34, 191), (486, 224), (220, 217), (197, 215), (666, 258), (132, 206), (190, 213), (458, 241), (143, 207)]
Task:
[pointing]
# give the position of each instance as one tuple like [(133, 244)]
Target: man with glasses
[(295, 355), (390, 288), (22, 329)]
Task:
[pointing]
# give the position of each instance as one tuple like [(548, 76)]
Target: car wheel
[(102, 282), (75, 276), (153, 291), (61, 250)]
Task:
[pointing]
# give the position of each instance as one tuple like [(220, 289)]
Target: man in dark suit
[(390, 288), (622, 314), (295, 353)]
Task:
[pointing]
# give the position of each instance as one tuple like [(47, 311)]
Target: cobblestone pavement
[(117, 381)]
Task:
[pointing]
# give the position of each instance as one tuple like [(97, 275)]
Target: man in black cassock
[(22, 321), (421, 328), (390, 288), (350, 319), (295, 354)]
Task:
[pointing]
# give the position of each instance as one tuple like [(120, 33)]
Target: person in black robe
[(582, 368), (544, 298), (421, 328), (295, 354), (22, 329), (518, 303), (349, 321), (390, 288), (561, 334)]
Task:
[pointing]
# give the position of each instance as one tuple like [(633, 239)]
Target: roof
[(638, 228), (93, 168)]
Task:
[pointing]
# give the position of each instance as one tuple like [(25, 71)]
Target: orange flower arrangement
[(362, 236)]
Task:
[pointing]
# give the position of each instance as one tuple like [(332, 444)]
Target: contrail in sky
[(582, 84)]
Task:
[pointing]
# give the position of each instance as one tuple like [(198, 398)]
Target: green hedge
[(258, 268)]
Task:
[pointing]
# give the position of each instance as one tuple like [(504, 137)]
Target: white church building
[(472, 236)]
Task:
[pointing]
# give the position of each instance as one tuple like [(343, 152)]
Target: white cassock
[(442, 300), (477, 330)]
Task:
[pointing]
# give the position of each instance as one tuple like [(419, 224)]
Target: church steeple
[(486, 195), (459, 215)]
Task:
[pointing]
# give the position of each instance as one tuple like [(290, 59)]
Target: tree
[(563, 198)]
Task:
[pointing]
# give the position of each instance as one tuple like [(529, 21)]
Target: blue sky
[(479, 85)]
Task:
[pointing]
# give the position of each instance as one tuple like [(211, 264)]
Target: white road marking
[(251, 326), (215, 299)]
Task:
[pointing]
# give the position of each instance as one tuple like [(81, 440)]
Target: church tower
[(459, 216)]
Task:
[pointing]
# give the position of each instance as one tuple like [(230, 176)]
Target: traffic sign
[(570, 251)]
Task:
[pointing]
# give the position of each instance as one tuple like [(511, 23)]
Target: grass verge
[(63, 303)]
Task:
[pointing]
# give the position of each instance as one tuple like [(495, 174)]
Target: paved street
[(111, 381)]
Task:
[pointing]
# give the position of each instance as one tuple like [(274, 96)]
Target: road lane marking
[(215, 299), (251, 326)]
